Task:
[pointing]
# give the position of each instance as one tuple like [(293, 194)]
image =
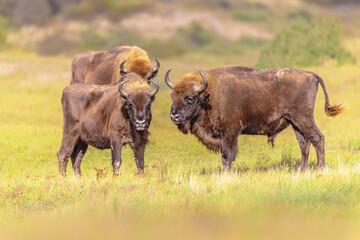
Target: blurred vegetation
[(40, 12), (114, 10), (3, 32), (198, 38), (252, 12), (194, 38), (305, 43), (334, 2)]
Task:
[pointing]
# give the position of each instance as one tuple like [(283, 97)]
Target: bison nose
[(176, 116), (140, 122), (173, 112)]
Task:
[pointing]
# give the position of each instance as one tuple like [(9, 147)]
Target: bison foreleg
[(63, 159), (116, 155), (65, 151), (229, 151), (139, 152)]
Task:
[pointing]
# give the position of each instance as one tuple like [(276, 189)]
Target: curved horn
[(153, 92), (156, 68), (123, 70), (204, 85), (168, 81), (122, 92)]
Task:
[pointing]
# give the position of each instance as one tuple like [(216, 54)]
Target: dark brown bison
[(222, 103), (108, 116), (107, 67)]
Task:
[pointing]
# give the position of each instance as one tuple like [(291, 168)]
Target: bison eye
[(189, 100), (148, 106), (129, 105)]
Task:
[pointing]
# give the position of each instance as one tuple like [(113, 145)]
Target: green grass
[(184, 193)]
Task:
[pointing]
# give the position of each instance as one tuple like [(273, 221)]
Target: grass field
[(184, 193)]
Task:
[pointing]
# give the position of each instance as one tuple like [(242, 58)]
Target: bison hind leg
[(77, 155)]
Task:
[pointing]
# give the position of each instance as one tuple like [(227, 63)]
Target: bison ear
[(204, 98)]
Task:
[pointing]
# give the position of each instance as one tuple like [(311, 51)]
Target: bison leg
[(229, 151), (66, 149), (63, 159), (311, 132), (305, 149), (318, 141), (116, 156), (76, 157), (139, 152)]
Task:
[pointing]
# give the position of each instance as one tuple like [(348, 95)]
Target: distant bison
[(225, 102), (107, 116), (107, 67)]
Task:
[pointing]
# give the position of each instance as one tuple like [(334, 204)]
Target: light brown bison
[(107, 67), (108, 116), (222, 103)]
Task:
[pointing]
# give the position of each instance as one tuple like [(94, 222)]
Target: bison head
[(189, 98), (138, 98), (141, 66)]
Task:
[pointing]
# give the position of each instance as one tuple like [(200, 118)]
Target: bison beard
[(107, 116), (234, 100)]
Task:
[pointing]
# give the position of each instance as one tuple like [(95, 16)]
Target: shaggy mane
[(190, 80), (136, 85)]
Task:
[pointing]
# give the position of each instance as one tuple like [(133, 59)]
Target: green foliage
[(197, 38), (3, 32), (305, 44), (115, 10), (194, 38), (251, 12), (334, 2), (302, 14)]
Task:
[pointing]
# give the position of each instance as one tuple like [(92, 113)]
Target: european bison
[(225, 102), (108, 116), (107, 67)]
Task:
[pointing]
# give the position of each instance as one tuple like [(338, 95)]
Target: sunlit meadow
[(184, 192)]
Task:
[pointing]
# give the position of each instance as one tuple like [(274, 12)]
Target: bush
[(197, 38), (3, 32), (251, 12), (305, 44), (115, 10)]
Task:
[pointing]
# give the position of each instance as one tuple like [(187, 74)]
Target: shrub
[(251, 12), (115, 10), (3, 32), (305, 44), (197, 38)]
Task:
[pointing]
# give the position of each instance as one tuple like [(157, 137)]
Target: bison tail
[(330, 110), (334, 110)]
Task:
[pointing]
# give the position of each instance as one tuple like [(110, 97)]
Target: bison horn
[(122, 92), (168, 81), (156, 68), (204, 85), (123, 70), (156, 89)]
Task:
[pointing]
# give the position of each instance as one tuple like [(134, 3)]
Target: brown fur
[(104, 67), (243, 100), (99, 116)]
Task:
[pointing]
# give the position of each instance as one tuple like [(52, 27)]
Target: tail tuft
[(334, 110)]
